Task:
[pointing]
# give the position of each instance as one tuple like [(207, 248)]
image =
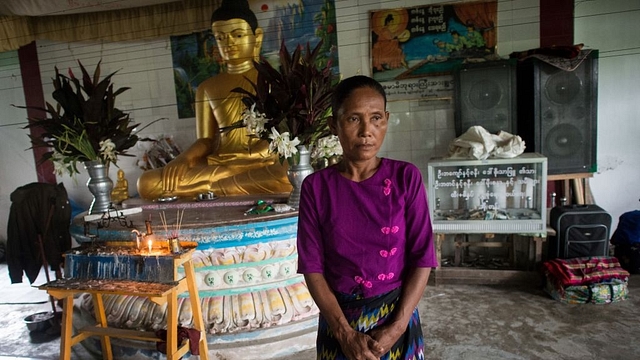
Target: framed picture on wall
[(196, 57), (415, 50)]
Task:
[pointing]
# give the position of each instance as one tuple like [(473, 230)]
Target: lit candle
[(150, 242)]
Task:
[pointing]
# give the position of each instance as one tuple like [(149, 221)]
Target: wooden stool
[(159, 293)]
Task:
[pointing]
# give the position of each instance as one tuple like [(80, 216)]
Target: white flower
[(327, 147), (107, 150), (254, 121), (290, 147), (282, 145), (58, 163)]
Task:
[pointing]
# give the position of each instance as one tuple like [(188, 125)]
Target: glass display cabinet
[(488, 196)]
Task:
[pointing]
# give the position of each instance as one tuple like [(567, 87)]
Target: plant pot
[(100, 185), (298, 171)]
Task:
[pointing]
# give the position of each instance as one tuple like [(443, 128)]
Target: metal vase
[(100, 185), (300, 169)]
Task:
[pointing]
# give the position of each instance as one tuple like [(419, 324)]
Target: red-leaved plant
[(84, 125), (295, 99)]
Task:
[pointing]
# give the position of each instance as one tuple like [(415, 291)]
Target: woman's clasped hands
[(369, 346)]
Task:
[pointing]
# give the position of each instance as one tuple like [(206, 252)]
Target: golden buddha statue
[(222, 162), (120, 191)]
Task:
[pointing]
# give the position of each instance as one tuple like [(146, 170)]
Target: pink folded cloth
[(183, 333)]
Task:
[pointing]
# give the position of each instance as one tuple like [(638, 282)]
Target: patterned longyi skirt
[(366, 314)]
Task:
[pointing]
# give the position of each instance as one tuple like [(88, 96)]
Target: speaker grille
[(563, 87), (563, 140), (557, 113), (485, 96)]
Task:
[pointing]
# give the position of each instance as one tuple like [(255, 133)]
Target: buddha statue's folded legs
[(238, 179)]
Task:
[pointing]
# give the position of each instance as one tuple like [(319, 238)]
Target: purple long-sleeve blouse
[(363, 236)]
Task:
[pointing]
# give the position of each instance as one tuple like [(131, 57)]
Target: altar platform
[(245, 265)]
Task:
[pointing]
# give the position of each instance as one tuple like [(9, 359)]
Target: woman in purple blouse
[(365, 243)]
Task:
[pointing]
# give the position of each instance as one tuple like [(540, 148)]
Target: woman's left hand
[(386, 335)]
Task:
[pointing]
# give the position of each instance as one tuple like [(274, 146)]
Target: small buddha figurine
[(222, 163), (120, 191)]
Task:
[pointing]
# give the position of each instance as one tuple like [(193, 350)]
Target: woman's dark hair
[(344, 89), (235, 9)]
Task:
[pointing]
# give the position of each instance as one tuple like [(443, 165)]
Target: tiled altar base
[(467, 322)]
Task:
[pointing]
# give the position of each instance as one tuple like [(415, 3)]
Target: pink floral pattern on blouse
[(387, 187)]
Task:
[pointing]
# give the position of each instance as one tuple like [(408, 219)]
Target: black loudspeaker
[(557, 112), (485, 95)]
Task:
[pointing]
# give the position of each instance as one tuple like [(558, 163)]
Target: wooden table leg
[(101, 318), (439, 240), (196, 309), (66, 330), (538, 240), (457, 258), (172, 324), (436, 273)]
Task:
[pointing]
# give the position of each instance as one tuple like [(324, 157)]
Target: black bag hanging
[(626, 241)]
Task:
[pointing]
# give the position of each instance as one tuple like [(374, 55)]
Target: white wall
[(419, 129), (17, 164), (612, 26)]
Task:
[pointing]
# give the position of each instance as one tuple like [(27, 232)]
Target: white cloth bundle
[(478, 143)]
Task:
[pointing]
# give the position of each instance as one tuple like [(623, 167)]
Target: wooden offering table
[(158, 292)]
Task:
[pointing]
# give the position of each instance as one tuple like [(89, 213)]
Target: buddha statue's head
[(235, 28)]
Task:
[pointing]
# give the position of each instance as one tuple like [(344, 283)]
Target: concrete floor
[(467, 322)]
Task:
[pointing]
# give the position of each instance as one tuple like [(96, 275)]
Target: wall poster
[(414, 51), (297, 22)]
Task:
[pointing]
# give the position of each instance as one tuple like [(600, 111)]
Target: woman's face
[(235, 39), (361, 124)]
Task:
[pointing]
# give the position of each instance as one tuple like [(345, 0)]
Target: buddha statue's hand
[(174, 172)]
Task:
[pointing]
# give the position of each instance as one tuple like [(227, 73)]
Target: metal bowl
[(39, 321)]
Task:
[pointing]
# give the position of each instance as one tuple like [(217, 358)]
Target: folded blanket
[(584, 270)]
